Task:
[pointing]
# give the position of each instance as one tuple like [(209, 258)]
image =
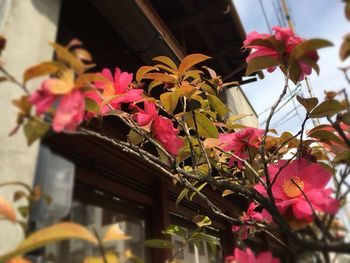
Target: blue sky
[(312, 18)]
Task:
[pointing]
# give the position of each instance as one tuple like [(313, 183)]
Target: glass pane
[(94, 217)]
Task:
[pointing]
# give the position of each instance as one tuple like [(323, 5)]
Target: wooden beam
[(160, 26)]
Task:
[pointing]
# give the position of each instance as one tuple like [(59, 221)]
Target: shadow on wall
[(45, 8)]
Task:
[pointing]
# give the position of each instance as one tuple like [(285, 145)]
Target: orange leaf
[(18, 260), (7, 210), (161, 77), (190, 61), (42, 69), (82, 54), (167, 61), (63, 54), (142, 71)]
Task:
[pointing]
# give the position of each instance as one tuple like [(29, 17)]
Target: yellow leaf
[(111, 257), (84, 79), (142, 71), (167, 61), (190, 61), (6, 210), (160, 77), (63, 54), (114, 233), (169, 100), (211, 143), (64, 84), (42, 69), (226, 192), (51, 234)]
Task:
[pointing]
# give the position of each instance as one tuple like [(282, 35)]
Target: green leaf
[(260, 63), (327, 109), (176, 231), (217, 105), (343, 156), (308, 103), (169, 100), (237, 117), (212, 241), (199, 188), (51, 234), (308, 46), (206, 128), (35, 129), (91, 105), (24, 211), (326, 136), (181, 196), (134, 137), (158, 243), (201, 220)]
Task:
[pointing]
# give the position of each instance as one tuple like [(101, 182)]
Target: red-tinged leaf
[(82, 54), (114, 233), (211, 72), (294, 72), (211, 143), (74, 42), (6, 210), (169, 100), (311, 62), (2, 43), (35, 129), (161, 77), (23, 105), (327, 109), (189, 62), (261, 63), (51, 234), (308, 46), (308, 103), (167, 61), (188, 90), (142, 71), (63, 54), (85, 79), (344, 51), (42, 69)]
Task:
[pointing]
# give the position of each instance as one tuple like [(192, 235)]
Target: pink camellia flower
[(161, 127), (116, 89), (42, 98), (297, 177), (239, 142), (70, 112), (247, 256), (251, 214), (70, 107), (289, 41)]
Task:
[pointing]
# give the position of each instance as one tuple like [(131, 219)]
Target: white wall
[(28, 26)]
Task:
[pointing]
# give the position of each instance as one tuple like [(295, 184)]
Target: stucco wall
[(238, 104), (28, 26)]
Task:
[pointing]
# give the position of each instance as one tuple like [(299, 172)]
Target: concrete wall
[(238, 104), (28, 26)]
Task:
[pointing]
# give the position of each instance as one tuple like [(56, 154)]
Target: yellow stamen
[(292, 186)]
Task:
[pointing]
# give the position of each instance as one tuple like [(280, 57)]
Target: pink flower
[(252, 215), (239, 143), (43, 98), (70, 112), (289, 41), (311, 178), (116, 89), (70, 108), (241, 256), (161, 127)]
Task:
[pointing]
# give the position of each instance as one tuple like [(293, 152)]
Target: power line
[(265, 16), (277, 13)]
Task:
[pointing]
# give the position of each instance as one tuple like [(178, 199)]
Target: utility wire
[(278, 14), (265, 16)]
